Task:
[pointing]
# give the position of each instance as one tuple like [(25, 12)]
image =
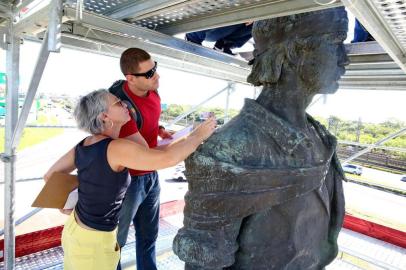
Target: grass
[(44, 119), (32, 136)]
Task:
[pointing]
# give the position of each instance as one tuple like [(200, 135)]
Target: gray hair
[(88, 110)]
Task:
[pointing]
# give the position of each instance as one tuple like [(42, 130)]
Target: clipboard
[(56, 191), (176, 136)]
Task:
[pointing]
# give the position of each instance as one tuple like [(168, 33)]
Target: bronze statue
[(265, 192)]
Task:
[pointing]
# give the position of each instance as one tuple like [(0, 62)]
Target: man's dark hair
[(131, 58)]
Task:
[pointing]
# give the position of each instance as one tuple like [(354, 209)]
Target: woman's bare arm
[(131, 155), (65, 164)]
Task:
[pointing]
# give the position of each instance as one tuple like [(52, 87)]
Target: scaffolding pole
[(12, 70), (231, 88)]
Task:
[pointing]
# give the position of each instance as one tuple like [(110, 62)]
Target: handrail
[(24, 218)]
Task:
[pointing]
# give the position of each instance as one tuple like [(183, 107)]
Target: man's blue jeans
[(232, 36), (141, 206), (361, 34)]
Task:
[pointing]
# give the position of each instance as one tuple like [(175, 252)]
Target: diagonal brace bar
[(369, 148), (32, 90), (194, 108)]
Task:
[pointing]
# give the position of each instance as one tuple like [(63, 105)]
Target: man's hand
[(163, 134)]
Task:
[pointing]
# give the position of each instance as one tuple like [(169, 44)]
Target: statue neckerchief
[(228, 198)]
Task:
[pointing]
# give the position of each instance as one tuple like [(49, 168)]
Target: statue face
[(325, 65)]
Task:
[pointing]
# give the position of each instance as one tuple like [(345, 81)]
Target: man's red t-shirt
[(150, 108)]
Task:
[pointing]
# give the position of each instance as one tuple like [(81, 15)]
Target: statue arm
[(212, 248)]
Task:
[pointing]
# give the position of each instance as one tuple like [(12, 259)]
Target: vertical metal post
[(357, 136), (79, 10), (230, 89), (54, 26), (12, 70)]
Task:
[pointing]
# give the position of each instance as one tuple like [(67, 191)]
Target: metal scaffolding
[(108, 27)]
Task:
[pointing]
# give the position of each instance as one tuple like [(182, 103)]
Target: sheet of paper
[(72, 200), (176, 136)]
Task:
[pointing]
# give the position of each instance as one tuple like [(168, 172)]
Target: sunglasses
[(120, 102), (149, 74)]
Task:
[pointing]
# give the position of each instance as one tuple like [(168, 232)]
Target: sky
[(76, 73)]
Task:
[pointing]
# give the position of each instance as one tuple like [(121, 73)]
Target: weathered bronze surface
[(265, 192)]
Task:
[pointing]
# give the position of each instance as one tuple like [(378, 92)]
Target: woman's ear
[(103, 117)]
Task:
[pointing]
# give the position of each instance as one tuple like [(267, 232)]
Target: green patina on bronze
[(265, 191)]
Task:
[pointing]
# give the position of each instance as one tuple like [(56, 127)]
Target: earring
[(112, 124)]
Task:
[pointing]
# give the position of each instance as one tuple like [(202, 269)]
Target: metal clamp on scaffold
[(6, 158)]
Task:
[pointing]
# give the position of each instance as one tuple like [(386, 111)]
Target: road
[(386, 208), (386, 178)]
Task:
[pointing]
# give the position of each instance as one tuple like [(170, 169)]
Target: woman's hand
[(66, 211), (47, 176), (205, 129)]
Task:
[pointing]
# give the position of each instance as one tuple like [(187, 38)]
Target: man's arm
[(137, 138), (129, 131)]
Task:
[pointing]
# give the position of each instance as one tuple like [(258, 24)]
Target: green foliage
[(369, 133), (174, 110), (32, 136), (355, 131)]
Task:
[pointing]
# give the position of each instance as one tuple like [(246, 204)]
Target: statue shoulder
[(235, 143)]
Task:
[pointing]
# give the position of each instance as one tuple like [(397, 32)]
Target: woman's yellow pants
[(87, 250)]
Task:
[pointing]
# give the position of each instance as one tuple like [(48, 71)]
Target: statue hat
[(277, 30)]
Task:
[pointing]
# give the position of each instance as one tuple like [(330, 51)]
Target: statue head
[(309, 45)]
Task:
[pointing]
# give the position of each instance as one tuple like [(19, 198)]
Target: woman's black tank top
[(101, 190)]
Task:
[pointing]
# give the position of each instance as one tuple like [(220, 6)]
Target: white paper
[(72, 200), (176, 136)]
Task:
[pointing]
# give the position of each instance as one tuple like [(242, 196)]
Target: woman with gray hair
[(89, 235)]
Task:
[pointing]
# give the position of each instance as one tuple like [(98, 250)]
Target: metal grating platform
[(176, 16), (394, 13), (101, 7), (357, 252), (53, 258), (189, 11), (372, 251)]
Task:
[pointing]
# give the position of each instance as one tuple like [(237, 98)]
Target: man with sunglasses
[(141, 202)]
